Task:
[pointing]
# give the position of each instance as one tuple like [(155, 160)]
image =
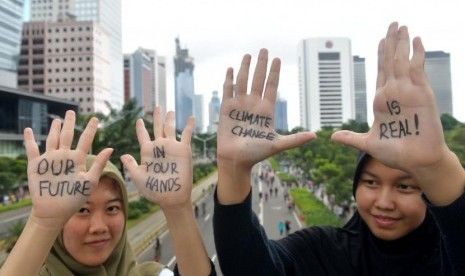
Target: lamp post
[(204, 140)]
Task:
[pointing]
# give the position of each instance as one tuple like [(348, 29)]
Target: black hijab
[(414, 254)]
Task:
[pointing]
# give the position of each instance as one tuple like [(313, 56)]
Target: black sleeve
[(451, 222), (242, 245), (212, 271)]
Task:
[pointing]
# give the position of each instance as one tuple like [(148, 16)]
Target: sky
[(219, 32)]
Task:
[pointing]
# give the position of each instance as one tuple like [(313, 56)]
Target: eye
[(113, 209), (406, 188), (84, 211), (368, 182)]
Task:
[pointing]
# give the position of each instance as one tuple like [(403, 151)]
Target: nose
[(98, 224), (385, 199)]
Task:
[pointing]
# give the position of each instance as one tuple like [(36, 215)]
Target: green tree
[(455, 139), (449, 122)]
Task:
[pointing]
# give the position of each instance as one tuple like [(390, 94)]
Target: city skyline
[(218, 33)]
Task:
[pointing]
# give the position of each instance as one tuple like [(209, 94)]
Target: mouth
[(98, 243), (385, 221)]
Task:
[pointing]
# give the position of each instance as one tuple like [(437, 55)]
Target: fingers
[(259, 76), (53, 137), (141, 132), (187, 132), (129, 163), (381, 78), (87, 136), (390, 50), (99, 163), (157, 122), (272, 82), (351, 139), (169, 129), (32, 149), (243, 76), (401, 58), (67, 132), (292, 141), (418, 62), (228, 85)]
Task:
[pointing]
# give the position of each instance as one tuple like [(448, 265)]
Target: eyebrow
[(403, 177), (116, 199)]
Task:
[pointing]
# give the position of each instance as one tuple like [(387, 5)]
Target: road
[(269, 211), (11, 217)]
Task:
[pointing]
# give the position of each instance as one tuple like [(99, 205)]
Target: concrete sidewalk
[(143, 234)]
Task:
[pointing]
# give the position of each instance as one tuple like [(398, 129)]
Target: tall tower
[(107, 14), (325, 82), (141, 79), (183, 85), (280, 117), (198, 113), (437, 67), (11, 24), (213, 113), (360, 90)]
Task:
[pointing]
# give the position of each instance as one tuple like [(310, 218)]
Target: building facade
[(198, 113), (11, 22), (280, 117), (184, 97), (68, 60), (437, 68), (360, 89), (145, 79), (213, 113), (107, 14), (325, 82)]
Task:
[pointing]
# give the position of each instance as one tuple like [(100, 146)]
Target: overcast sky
[(218, 33)]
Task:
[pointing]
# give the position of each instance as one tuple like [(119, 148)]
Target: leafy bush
[(314, 211), (202, 170)]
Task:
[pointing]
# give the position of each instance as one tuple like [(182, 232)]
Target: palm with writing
[(407, 132), (245, 141), (164, 175), (58, 181)]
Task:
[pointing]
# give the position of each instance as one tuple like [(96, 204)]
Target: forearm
[(191, 255), (31, 249), (444, 182), (233, 182)]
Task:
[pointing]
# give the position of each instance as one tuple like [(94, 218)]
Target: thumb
[(351, 139), (294, 140)]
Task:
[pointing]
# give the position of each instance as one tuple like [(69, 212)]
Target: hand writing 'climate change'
[(246, 127), (164, 175), (58, 181)]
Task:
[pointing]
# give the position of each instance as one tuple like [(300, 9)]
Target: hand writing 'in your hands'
[(164, 175), (58, 181), (246, 132)]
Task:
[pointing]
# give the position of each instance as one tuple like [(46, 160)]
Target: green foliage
[(139, 207), (9, 207), (12, 171), (455, 139), (14, 231), (202, 169), (288, 178), (449, 122), (314, 211)]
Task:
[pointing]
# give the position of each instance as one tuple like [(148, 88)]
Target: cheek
[(73, 233), (117, 225), (414, 208)]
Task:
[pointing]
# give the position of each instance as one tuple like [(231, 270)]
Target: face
[(91, 235), (389, 201)]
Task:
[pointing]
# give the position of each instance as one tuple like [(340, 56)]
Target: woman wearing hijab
[(409, 187), (77, 224)]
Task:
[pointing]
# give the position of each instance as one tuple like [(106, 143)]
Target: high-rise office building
[(68, 60), (213, 113), (183, 85), (280, 117), (360, 90), (198, 113), (437, 68), (141, 79), (11, 23), (104, 12), (325, 82)]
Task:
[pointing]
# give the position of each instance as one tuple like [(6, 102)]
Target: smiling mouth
[(385, 222), (97, 244)]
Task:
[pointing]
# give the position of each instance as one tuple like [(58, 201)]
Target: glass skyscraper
[(183, 86)]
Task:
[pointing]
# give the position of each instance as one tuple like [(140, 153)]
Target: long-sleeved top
[(437, 247)]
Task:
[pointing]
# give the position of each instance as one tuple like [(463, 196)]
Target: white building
[(325, 82)]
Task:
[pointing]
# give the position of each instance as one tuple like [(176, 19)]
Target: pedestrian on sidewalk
[(157, 249), (409, 186), (281, 228), (287, 226)]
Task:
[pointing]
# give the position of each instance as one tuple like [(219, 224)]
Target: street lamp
[(204, 140)]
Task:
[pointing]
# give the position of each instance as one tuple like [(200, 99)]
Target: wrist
[(233, 182)]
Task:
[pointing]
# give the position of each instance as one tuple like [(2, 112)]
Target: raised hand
[(246, 133), (164, 174), (58, 181), (406, 132)]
